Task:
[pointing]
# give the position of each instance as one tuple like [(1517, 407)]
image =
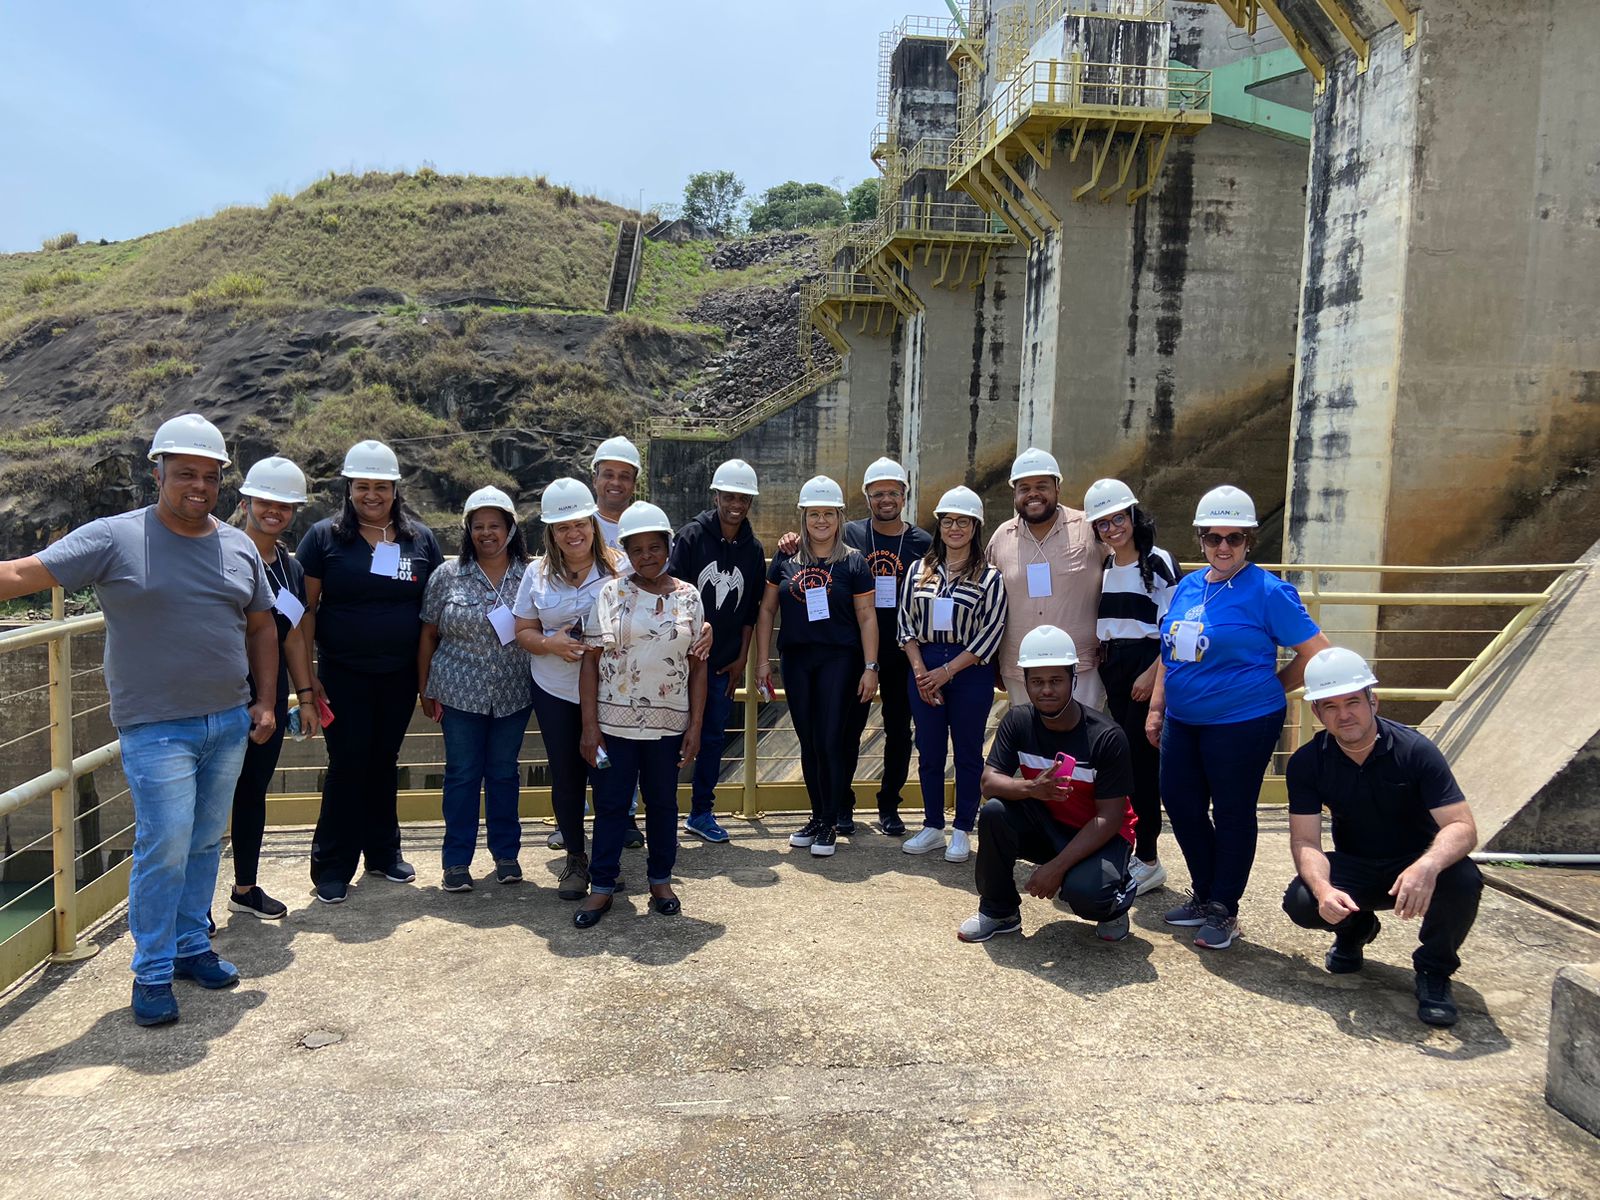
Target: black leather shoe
[(588, 918), (1346, 957), (1435, 1005), (667, 906)]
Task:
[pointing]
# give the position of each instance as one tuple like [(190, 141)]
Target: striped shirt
[(1126, 609), (977, 611)]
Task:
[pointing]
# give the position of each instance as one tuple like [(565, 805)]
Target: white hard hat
[(735, 475), (1047, 646), (642, 517), (885, 469), (1034, 461), (275, 478), (189, 434), (961, 501), (489, 497), (1107, 496), (1337, 672), (820, 492), (1226, 505), (566, 499), (370, 460), (617, 449)]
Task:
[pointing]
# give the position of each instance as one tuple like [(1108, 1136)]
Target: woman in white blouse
[(642, 692)]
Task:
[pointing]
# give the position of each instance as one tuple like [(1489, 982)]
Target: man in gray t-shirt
[(187, 605)]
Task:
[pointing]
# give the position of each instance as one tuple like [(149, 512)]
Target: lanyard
[(1037, 544), (280, 577), (497, 592), (899, 546)]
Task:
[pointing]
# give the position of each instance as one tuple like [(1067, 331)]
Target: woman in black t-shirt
[(828, 643), (366, 571)]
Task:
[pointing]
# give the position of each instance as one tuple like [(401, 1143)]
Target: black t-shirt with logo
[(891, 556), (367, 622), (844, 581)]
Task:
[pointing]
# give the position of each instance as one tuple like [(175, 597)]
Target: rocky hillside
[(457, 318)]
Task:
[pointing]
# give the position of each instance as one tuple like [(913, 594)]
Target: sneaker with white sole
[(1190, 913), (960, 848), (1147, 877), (1221, 928), (258, 904), (924, 841), (807, 833), (982, 927), (1114, 930), (825, 843)]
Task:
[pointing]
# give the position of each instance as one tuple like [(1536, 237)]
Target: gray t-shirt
[(175, 612)]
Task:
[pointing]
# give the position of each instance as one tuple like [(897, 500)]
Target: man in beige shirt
[(1051, 566)]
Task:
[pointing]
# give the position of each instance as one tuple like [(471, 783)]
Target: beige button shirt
[(1074, 600)]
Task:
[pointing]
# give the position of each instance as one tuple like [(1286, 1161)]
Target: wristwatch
[(872, 666)]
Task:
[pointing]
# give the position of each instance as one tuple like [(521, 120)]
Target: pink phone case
[(1065, 764)]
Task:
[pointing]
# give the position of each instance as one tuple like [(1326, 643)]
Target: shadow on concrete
[(29, 993), (1066, 953)]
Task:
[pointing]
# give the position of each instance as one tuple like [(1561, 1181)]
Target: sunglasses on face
[(1115, 520), (1213, 540)]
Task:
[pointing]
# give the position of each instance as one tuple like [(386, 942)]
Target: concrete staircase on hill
[(625, 267)]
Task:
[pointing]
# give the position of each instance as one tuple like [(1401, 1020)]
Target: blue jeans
[(651, 765), (181, 775), (480, 758), (1215, 771), (958, 722), (713, 737)]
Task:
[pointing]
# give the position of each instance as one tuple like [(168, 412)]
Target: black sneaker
[(825, 843), (1346, 957), (891, 824), (258, 904), (633, 839), (807, 833), (1435, 1005), (507, 870), (457, 879), (845, 826), (333, 891), (399, 871)]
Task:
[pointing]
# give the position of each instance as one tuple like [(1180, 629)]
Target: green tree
[(711, 200), (797, 205), (862, 200)]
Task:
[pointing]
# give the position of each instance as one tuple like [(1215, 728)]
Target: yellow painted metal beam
[(972, 184), (1154, 157), (965, 259), (1336, 13), (983, 269), (1032, 199), (1040, 156), (1296, 43), (1003, 201), (1097, 165), (1125, 159), (1404, 17)]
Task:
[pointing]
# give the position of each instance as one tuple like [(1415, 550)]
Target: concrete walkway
[(805, 1029)]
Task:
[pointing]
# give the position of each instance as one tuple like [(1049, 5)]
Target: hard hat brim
[(190, 452), (734, 490), (261, 493), (1333, 691)]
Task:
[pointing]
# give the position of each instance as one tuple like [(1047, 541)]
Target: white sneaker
[(960, 846), (925, 839), (1147, 876)]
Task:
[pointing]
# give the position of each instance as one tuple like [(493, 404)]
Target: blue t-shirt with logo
[(1241, 625)]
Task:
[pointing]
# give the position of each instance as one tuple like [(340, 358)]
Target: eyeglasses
[(1212, 540), (1115, 520), (954, 522)]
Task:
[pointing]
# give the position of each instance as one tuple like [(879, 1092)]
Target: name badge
[(289, 605), (1038, 580), (817, 604), (944, 614), (386, 559), (1187, 643), (883, 591), (504, 622)]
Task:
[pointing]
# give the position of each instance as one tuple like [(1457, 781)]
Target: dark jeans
[(1367, 881), (1097, 889), (250, 799), (1211, 780), (821, 685), (894, 669), (713, 737), (959, 723), (358, 817), (651, 766), (561, 727), (1124, 661), (480, 759)]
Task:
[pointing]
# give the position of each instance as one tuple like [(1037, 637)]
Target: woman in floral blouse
[(473, 679), (641, 693)]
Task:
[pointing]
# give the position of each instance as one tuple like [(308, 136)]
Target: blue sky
[(126, 116)]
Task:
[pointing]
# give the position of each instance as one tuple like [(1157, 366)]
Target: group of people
[(1133, 690)]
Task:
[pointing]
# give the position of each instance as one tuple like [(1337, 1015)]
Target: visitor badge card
[(505, 624), (289, 605), (1038, 580), (386, 559), (944, 614), (883, 591), (817, 604)]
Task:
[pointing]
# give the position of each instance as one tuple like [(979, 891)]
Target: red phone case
[(324, 713)]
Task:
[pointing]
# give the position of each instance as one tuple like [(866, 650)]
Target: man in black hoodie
[(719, 553)]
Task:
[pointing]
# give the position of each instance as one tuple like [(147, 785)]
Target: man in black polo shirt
[(1401, 833)]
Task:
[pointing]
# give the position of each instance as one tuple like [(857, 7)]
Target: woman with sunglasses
[(1136, 582), (1218, 705)]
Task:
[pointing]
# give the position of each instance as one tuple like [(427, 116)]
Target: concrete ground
[(805, 1028)]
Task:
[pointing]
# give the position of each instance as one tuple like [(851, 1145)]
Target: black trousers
[(894, 669), (1367, 881), (250, 798), (358, 817), (561, 729), (820, 682), (1123, 662), (1097, 889)]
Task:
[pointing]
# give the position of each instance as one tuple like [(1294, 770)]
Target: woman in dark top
[(273, 490), (829, 646), (366, 571)]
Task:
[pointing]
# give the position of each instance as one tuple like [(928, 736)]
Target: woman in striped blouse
[(952, 618), (1135, 588)]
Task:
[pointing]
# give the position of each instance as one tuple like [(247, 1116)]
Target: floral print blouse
[(644, 660)]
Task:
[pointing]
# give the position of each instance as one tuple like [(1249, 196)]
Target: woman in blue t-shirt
[(1218, 707), (828, 643)]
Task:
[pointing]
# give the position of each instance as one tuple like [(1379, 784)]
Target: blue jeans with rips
[(480, 760), (181, 775)]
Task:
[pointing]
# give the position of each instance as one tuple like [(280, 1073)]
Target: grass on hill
[(673, 278)]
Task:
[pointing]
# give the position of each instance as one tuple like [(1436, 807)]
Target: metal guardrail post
[(63, 841), (752, 736)]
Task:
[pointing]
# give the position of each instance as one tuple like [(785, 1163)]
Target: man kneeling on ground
[(1075, 820), (1401, 833)]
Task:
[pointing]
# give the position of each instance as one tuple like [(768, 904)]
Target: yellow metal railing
[(722, 429)]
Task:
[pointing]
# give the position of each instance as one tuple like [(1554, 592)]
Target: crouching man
[(1401, 833), (1074, 819)]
